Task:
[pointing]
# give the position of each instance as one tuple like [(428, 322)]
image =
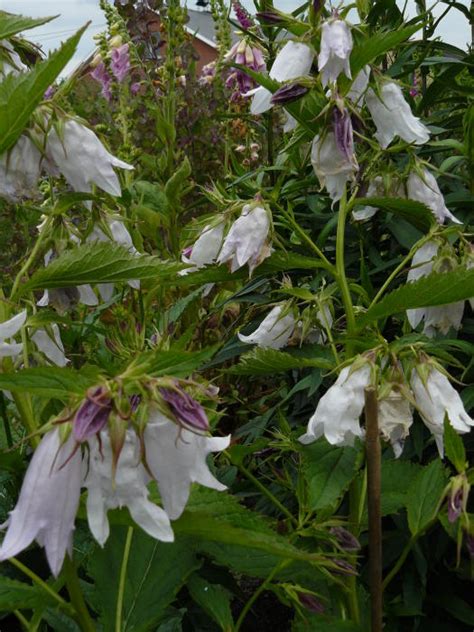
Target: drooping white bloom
[(48, 502), (294, 60), (359, 86), (61, 298), (128, 489), (435, 398), (338, 411), (247, 239), (82, 159), (437, 317), (205, 249), (10, 61), (8, 329), (331, 166), (51, 346), (274, 331), (424, 188), (177, 458), (395, 418), (393, 117), (20, 169), (336, 47), (377, 188)]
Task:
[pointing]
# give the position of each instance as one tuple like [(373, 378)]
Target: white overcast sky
[(74, 13)]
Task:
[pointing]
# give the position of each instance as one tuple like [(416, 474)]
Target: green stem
[(25, 409), (75, 593), (399, 563), (123, 576), (23, 620), (341, 272), (354, 527), (26, 266), (6, 423), (42, 584)]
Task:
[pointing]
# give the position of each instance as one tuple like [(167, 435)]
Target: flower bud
[(288, 93), (185, 409), (310, 602), (345, 539), (271, 17), (115, 41), (92, 415)]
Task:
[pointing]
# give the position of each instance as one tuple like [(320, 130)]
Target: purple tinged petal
[(345, 539), (186, 409), (288, 93), (455, 503), (343, 134), (92, 415), (120, 62), (311, 603)]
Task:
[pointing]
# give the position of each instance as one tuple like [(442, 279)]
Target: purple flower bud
[(49, 92), (270, 17), (455, 503), (311, 603), (135, 402), (120, 62), (92, 414), (101, 75), (288, 93), (345, 568), (318, 5), (186, 409), (242, 15), (346, 540), (343, 133), (186, 252)]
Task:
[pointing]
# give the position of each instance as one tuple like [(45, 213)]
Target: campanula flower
[(332, 166), (422, 187), (274, 331), (336, 47), (9, 329), (20, 168)]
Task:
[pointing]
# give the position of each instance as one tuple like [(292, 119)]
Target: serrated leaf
[(214, 600), (99, 263), (266, 361), (328, 471), (434, 289), (454, 447), (378, 44), (18, 595), (173, 362), (21, 93), (12, 24), (49, 381), (414, 212), (424, 495)]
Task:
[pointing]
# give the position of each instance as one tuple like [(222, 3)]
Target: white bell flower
[(294, 60), (424, 188), (331, 166), (356, 93), (336, 47), (393, 117), (247, 240), (10, 61), (177, 458), (338, 411), (83, 159), (127, 489), (51, 346), (395, 418), (48, 502), (205, 249), (20, 169), (8, 330), (435, 398), (274, 331), (60, 298), (377, 188)]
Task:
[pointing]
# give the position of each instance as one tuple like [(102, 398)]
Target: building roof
[(202, 26)]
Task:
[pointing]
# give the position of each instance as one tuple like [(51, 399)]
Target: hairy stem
[(341, 273), (77, 599), (26, 266)]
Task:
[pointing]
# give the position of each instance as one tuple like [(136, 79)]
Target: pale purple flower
[(120, 62), (49, 93), (336, 47), (185, 408), (332, 166), (343, 134), (177, 458), (92, 415), (274, 331), (423, 187), (135, 88), (48, 502), (102, 76), (244, 54)]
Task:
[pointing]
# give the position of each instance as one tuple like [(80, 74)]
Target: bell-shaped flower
[(338, 411), (102, 76), (343, 134), (356, 93), (92, 415), (126, 489), (331, 166), (177, 458), (395, 418), (423, 187), (82, 159), (48, 502), (377, 188), (336, 47), (438, 317), (247, 241), (205, 249), (8, 330), (393, 117), (435, 399), (50, 343), (10, 60), (274, 331), (20, 169), (120, 62), (247, 55), (294, 60), (63, 298)]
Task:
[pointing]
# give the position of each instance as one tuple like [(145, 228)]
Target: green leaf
[(378, 44), (176, 185), (12, 24), (267, 361), (18, 595), (454, 447), (99, 263), (49, 381), (20, 94), (213, 599), (328, 471), (424, 496), (155, 573), (434, 289), (173, 362), (414, 212)]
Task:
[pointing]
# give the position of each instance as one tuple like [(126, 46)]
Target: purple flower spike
[(242, 15), (92, 414), (343, 133), (186, 409), (120, 62), (346, 540), (311, 603), (101, 75), (455, 503), (288, 93)]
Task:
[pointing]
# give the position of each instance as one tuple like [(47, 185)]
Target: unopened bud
[(288, 93), (92, 414), (270, 17), (310, 602), (346, 540), (185, 409), (115, 41)]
